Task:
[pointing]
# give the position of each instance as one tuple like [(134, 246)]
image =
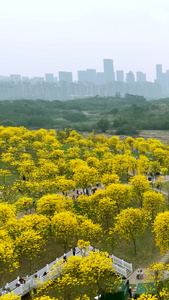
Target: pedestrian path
[(133, 277), (165, 259)]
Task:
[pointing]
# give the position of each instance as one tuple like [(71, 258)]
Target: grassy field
[(147, 252)]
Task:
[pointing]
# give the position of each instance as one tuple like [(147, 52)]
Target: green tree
[(103, 125)]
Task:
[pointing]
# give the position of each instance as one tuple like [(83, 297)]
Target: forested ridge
[(126, 115)]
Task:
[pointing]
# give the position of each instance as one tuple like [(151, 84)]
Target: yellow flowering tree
[(161, 229), (89, 231), (153, 202), (65, 228), (24, 204), (65, 185), (142, 164), (7, 212), (131, 223), (10, 296), (29, 244), (147, 297), (89, 204), (113, 143), (85, 176), (160, 182), (108, 179), (156, 274), (120, 194), (139, 185), (85, 277), (8, 257), (51, 203), (4, 174), (83, 246), (40, 223), (105, 211)]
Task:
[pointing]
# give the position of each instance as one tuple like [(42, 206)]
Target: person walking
[(74, 251)]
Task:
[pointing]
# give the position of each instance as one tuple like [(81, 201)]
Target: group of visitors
[(140, 274), (86, 192)]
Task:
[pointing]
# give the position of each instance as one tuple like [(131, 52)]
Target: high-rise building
[(91, 75), (35, 80), (65, 76), (109, 70), (82, 76), (15, 77), (140, 77), (120, 75), (100, 78), (49, 77), (159, 73), (130, 77)]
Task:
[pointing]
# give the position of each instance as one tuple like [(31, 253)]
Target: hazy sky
[(47, 36)]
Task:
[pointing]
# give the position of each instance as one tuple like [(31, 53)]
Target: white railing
[(44, 274), (119, 270), (122, 263)]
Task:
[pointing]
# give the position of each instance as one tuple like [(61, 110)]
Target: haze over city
[(39, 37)]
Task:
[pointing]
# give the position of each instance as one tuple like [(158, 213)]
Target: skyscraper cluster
[(89, 83)]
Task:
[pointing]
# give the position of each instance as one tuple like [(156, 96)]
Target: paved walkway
[(132, 278)]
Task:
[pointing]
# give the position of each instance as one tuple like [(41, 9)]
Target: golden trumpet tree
[(129, 143), (8, 257), (29, 244), (24, 204), (46, 170), (142, 164), (120, 194), (108, 179), (161, 229), (73, 153), (39, 223), (105, 211), (130, 224), (85, 176), (113, 143), (7, 212), (147, 297), (89, 231), (153, 202), (10, 296), (156, 273), (64, 184), (4, 174), (65, 228), (93, 162), (84, 277), (89, 204), (139, 185), (51, 203)]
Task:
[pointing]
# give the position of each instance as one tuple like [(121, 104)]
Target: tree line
[(126, 115)]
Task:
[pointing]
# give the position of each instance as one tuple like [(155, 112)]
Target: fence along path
[(121, 267)]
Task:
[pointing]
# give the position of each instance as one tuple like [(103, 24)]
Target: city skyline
[(109, 82), (39, 37), (108, 67)]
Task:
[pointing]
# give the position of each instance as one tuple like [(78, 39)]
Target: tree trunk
[(134, 242)]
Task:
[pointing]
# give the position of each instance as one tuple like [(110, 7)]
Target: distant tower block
[(109, 70)]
